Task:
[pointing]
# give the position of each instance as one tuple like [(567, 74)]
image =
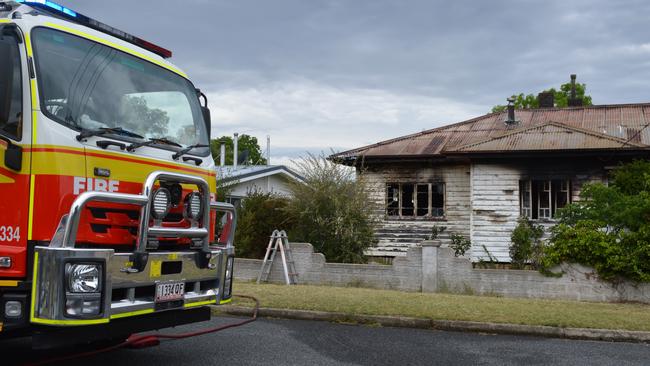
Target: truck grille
[(118, 226)]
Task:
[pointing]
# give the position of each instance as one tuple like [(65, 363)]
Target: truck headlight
[(160, 203), (83, 278), (193, 206), (84, 289)]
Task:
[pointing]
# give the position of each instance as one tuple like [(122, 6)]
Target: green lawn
[(351, 300)]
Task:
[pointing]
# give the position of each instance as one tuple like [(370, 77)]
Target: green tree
[(331, 210), (561, 97), (245, 142), (609, 228), (259, 214), (139, 118)]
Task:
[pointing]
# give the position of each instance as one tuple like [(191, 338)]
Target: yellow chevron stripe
[(132, 313), (6, 180), (199, 303)]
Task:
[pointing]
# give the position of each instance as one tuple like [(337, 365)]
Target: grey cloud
[(466, 52)]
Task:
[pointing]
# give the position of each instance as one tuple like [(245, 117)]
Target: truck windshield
[(86, 85)]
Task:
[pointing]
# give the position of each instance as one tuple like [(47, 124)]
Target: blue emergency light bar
[(65, 13)]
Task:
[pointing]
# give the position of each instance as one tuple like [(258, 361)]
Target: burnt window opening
[(392, 199), (540, 199), (410, 200)]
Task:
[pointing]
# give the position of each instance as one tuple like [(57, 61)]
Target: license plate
[(170, 291)]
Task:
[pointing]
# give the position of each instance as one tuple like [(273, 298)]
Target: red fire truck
[(107, 186)]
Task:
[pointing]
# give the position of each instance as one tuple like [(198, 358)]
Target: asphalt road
[(292, 342)]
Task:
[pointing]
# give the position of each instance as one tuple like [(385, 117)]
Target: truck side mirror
[(206, 118), (206, 111)]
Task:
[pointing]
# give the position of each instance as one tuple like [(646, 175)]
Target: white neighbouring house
[(243, 179)]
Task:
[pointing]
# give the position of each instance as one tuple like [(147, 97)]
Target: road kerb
[(451, 325)]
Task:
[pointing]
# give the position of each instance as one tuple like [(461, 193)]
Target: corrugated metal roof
[(548, 136), (594, 127)]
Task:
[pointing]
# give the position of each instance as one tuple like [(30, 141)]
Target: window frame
[(430, 209), (19, 132), (539, 186)]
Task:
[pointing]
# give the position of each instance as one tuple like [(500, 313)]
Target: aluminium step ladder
[(279, 240)]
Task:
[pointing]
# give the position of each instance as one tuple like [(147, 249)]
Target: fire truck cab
[(107, 185)]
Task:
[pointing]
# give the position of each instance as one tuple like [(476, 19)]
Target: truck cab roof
[(41, 13)]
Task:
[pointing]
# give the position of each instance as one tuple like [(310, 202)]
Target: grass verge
[(569, 314)]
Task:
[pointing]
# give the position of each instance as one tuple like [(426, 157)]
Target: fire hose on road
[(150, 340)]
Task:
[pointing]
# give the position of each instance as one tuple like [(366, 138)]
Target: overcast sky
[(323, 74)]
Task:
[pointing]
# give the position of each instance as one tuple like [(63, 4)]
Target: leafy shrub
[(460, 244), (435, 231), (491, 263), (527, 246), (609, 228), (259, 214), (332, 211)]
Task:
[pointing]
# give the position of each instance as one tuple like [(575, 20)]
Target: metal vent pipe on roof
[(235, 154), (268, 149), (222, 160), (573, 86), (574, 100), (511, 120)]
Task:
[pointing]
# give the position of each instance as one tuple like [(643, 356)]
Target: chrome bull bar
[(143, 200), (125, 281)]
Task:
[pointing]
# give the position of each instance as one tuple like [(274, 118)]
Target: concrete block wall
[(431, 268), (578, 282), (404, 274)]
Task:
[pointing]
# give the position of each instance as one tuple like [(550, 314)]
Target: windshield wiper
[(153, 141), (85, 133), (187, 149)]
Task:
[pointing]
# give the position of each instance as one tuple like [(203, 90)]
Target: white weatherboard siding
[(396, 236), (495, 209), (495, 199), (270, 184), (481, 203)]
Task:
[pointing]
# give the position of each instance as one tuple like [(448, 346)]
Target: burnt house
[(479, 176)]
